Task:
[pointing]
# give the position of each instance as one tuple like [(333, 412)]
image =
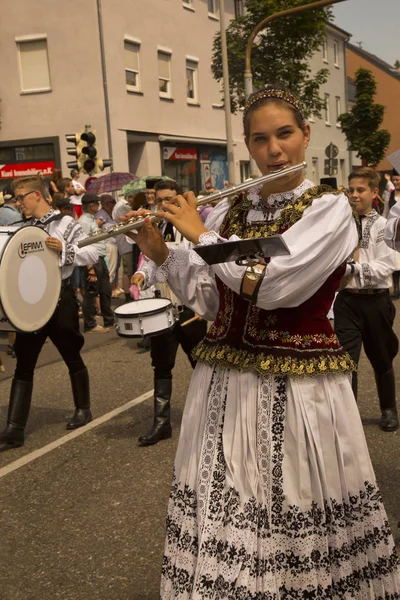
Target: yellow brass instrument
[(214, 198)]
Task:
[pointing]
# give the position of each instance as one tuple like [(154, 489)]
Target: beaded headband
[(273, 93)]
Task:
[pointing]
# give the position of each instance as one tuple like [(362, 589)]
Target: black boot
[(81, 394), (385, 384), (161, 429), (18, 412)]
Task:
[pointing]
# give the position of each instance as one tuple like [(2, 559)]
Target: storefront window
[(37, 152)]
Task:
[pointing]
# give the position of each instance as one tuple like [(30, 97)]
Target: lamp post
[(248, 76), (227, 96)]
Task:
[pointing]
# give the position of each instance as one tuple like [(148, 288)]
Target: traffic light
[(90, 151), (87, 160)]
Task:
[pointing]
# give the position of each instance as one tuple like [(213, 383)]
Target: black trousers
[(163, 348), (367, 320), (101, 288), (62, 329)]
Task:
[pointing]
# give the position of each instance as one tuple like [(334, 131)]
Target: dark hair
[(168, 184), (73, 172), (56, 175), (256, 100), (372, 177), (63, 183), (105, 198)]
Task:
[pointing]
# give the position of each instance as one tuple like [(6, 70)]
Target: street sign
[(331, 166), (331, 151)]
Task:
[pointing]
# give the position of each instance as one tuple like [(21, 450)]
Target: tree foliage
[(280, 53), (397, 64), (361, 125)]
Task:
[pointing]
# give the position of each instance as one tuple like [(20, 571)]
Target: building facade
[(139, 72)]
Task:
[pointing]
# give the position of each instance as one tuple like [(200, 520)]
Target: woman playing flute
[(274, 495)]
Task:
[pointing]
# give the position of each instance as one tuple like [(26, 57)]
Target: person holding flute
[(274, 495)]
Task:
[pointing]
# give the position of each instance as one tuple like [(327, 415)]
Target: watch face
[(254, 273)]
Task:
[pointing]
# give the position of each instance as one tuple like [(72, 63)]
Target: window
[(217, 92), (34, 64), (327, 114), (191, 82), (240, 8), (338, 110), (336, 53), (244, 170), (325, 51), (164, 74), (188, 3), (213, 7), (132, 77)]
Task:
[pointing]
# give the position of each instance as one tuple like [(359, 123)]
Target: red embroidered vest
[(284, 341)]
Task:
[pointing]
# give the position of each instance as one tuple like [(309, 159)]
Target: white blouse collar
[(278, 200)]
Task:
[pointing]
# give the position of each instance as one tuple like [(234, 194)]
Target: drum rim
[(155, 311)]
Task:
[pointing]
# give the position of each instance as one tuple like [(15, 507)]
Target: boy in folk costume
[(364, 311)]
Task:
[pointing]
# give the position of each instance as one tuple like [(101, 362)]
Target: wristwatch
[(251, 281)]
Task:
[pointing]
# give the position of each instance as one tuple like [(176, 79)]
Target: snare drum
[(150, 316), (30, 279)]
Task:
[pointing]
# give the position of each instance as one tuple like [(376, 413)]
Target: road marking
[(28, 458)]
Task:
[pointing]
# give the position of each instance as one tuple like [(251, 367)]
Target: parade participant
[(63, 327), (164, 347), (274, 494), (363, 310), (97, 280), (10, 215)]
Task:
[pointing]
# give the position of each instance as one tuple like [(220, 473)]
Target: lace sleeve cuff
[(177, 257)]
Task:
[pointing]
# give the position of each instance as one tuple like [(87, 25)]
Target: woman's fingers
[(190, 199)]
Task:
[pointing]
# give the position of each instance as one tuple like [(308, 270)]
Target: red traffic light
[(89, 165)]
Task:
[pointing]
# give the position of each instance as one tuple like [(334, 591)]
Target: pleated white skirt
[(274, 495)]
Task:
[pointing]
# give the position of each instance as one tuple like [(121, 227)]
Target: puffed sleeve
[(319, 242), (391, 227)]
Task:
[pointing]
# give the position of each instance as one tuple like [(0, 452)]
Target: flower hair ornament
[(270, 92)]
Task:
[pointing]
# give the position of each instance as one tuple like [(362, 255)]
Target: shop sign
[(174, 153), (11, 170)]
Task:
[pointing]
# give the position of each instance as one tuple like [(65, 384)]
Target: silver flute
[(215, 198)]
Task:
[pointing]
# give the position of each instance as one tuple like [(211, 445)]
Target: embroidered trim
[(69, 254), (366, 275), (292, 213), (366, 225), (328, 361)]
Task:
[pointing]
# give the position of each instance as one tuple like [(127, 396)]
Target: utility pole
[(227, 96)]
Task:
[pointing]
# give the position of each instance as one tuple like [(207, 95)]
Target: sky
[(375, 23)]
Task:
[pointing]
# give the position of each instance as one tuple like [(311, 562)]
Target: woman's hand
[(149, 239), (54, 244), (183, 215)]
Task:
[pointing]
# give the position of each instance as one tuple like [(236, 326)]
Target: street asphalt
[(86, 519)]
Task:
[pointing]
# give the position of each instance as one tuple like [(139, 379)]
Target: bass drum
[(30, 279)]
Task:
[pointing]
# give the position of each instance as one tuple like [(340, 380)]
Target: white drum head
[(30, 280), (140, 307)]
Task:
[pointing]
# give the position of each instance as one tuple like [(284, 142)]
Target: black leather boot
[(385, 384), (81, 394), (18, 412), (161, 429)]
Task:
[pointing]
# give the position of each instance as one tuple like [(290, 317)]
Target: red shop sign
[(11, 171), (174, 153)]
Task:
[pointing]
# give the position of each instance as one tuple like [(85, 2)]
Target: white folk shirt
[(69, 232), (376, 261)]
